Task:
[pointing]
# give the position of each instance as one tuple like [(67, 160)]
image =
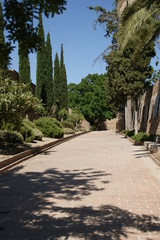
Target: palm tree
[(136, 16), (122, 4)]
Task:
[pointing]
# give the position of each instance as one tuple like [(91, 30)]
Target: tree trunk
[(126, 117), (136, 117), (129, 115)]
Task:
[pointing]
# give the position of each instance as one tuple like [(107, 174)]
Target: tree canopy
[(24, 66), (49, 75), (15, 101), (135, 18), (20, 15), (5, 48), (41, 64), (89, 98), (63, 95), (126, 77)]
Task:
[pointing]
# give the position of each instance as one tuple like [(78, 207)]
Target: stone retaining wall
[(149, 111)]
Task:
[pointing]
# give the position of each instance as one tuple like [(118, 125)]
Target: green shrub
[(12, 137), (141, 137), (38, 135), (92, 128), (50, 127), (27, 133), (75, 117), (67, 124), (69, 131), (15, 100), (124, 131), (130, 133), (63, 114)]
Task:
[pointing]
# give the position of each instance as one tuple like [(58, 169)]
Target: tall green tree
[(20, 18), (49, 75), (24, 65), (126, 78), (41, 64), (56, 83), (89, 98), (2, 38), (127, 75), (4, 47), (109, 20), (63, 83)]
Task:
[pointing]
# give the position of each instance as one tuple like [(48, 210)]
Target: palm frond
[(122, 4), (133, 25), (152, 32)]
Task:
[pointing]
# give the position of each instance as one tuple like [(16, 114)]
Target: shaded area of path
[(97, 186)]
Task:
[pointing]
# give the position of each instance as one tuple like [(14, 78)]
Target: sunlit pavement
[(96, 186)]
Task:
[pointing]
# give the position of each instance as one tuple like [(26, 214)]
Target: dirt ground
[(10, 149)]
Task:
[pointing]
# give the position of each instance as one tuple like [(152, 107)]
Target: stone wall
[(85, 125), (153, 122), (149, 111), (111, 124)]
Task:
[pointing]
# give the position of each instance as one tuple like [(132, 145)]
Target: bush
[(124, 131), (69, 131), (75, 117), (63, 114), (92, 128), (50, 127), (37, 133), (68, 124), (130, 133), (141, 137), (15, 100), (11, 137), (27, 133)]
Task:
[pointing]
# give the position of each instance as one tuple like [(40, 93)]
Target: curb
[(142, 144), (20, 157), (154, 159), (135, 142), (132, 140)]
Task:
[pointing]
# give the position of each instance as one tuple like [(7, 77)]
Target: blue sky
[(81, 43)]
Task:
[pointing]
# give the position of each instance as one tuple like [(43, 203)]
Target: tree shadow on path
[(40, 206)]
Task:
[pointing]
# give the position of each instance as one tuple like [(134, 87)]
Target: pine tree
[(24, 65), (41, 64), (56, 83), (63, 83), (49, 75)]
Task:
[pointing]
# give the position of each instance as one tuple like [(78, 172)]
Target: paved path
[(97, 186)]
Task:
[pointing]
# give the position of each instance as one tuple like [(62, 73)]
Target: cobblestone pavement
[(97, 186)]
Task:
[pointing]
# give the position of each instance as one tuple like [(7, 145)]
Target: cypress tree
[(24, 65), (41, 64), (4, 53), (63, 83), (49, 74), (56, 83), (2, 38)]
